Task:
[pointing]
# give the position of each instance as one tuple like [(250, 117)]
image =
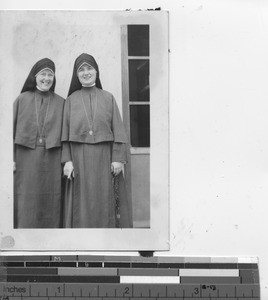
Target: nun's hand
[(116, 168), (68, 169)]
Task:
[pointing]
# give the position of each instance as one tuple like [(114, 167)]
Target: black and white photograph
[(135, 127), (89, 94)]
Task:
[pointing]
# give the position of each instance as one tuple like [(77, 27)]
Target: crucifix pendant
[(40, 140), (90, 132)]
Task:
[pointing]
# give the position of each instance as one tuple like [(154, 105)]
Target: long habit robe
[(90, 196), (37, 179)]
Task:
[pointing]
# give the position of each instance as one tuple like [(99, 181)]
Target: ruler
[(127, 277)]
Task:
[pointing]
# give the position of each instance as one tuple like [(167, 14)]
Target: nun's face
[(44, 80), (87, 75)]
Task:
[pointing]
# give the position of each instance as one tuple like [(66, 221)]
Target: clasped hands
[(68, 169)]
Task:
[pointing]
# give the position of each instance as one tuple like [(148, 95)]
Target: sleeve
[(66, 121), (66, 150), (119, 153), (15, 117), (118, 126)]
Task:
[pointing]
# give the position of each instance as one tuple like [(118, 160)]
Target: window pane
[(138, 40), (140, 125), (139, 89)]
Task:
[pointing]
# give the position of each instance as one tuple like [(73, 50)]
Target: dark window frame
[(127, 102)]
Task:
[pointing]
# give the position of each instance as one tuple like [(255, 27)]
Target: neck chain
[(90, 124), (41, 132)]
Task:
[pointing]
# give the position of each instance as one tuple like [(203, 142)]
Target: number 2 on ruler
[(126, 291)]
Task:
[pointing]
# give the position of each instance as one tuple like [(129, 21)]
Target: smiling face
[(44, 79), (86, 75)]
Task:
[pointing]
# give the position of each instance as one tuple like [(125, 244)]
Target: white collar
[(89, 85), (41, 89)]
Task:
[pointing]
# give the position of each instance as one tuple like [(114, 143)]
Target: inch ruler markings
[(118, 277)]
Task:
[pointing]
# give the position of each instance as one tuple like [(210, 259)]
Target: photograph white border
[(152, 239)]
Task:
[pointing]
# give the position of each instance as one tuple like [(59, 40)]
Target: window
[(137, 84)]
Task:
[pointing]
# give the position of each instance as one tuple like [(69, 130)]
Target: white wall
[(61, 36), (219, 141), (218, 124)]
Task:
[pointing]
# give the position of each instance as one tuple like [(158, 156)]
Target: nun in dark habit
[(94, 153), (38, 113)]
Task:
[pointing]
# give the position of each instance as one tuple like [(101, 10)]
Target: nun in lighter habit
[(93, 153)]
